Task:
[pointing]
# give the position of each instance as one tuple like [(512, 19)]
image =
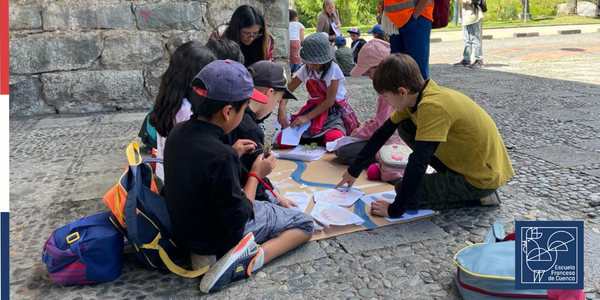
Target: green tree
[(308, 10), (352, 12)]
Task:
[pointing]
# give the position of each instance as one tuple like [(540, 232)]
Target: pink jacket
[(384, 111)]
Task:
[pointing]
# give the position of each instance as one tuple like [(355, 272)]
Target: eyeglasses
[(250, 35)]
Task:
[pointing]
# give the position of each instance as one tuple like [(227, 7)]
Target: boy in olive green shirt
[(445, 129)]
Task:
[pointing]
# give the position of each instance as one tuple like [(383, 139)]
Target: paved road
[(544, 99)]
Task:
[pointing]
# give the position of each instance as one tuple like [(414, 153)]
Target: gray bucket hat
[(317, 49)]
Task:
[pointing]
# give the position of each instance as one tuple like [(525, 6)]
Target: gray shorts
[(270, 220)]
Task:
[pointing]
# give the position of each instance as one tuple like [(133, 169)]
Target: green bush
[(352, 12), (505, 10)]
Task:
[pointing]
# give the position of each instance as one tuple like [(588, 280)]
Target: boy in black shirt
[(269, 79), (209, 211), (357, 42)]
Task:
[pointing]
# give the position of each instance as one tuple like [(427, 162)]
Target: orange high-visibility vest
[(399, 11)]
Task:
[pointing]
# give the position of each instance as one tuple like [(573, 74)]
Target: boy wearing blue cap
[(379, 33), (343, 55), (211, 215), (357, 41)]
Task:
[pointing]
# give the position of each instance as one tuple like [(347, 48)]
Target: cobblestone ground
[(62, 165)]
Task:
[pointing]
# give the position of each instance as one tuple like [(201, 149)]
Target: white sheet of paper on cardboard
[(343, 141), (304, 155), (300, 198), (291, 136), (390, 197), (342, 196), (331, 214)]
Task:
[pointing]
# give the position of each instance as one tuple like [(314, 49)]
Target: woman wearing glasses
[(248, 29)]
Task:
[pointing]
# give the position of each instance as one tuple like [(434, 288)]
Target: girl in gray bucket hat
[(328, 110)]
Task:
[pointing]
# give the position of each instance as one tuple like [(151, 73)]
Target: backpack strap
[(496, 233), (154, 245), (314, 76), (161, 215)]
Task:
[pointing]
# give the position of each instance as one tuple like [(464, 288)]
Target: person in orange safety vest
[(408, 22)]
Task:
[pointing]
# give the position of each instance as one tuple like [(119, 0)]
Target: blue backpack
[(88, 250), (144, 219), (148, 132), (487, 271)]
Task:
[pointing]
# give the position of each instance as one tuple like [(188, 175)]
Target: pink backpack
[(390, 172)]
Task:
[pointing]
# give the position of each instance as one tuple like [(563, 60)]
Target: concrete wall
[(76, 56)]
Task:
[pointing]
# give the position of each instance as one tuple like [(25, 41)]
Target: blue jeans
[(413, 39), (472, 39)]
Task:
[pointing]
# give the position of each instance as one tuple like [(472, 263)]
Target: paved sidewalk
[(509, 32), (61, 165), (505, 32)]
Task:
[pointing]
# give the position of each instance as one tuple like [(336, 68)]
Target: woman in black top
[(248, 29)]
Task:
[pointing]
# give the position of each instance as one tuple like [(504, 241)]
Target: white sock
[(258, 262)]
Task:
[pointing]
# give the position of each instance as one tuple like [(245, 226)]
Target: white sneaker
[(491, 199)]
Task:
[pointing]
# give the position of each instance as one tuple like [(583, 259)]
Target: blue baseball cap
[(340, 40), (353, 29), (376, 29), (227, 80)]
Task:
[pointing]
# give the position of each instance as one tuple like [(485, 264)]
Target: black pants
[(348, 153)]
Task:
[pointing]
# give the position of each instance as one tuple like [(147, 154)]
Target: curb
[(525, 34), (571, 31)]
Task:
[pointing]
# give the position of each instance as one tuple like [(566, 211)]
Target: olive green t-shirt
[(470, 142)]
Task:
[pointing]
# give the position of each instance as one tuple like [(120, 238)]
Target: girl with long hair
[(248, 29)]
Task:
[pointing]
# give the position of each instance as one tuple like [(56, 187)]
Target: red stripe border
[(504, 295), (4, 76)]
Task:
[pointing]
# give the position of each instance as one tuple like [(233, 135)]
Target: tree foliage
[(352, 12)]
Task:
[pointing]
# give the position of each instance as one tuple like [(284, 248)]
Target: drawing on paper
[(331, 214), (301, 198), (338, 196)]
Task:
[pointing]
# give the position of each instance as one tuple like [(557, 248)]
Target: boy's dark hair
[(293, 14), (395, 71), (326, 67), (246, 16), (206, 107), (226, 49), (185, 63)]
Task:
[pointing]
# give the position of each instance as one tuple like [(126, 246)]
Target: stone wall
[(75, 56)]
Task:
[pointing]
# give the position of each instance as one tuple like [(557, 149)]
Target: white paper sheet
[(300, 198), (299, 154), (337, 31), (341, 196), (291, 136), (390, 197), (331, 214), (343, 141)]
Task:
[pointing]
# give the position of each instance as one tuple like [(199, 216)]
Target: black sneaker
[(478, 64), (462, 63)]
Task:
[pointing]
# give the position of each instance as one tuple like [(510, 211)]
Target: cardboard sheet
[(309, 177)]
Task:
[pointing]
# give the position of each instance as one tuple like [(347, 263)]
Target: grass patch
[(552, 20), (363, 30), (555, 20)]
